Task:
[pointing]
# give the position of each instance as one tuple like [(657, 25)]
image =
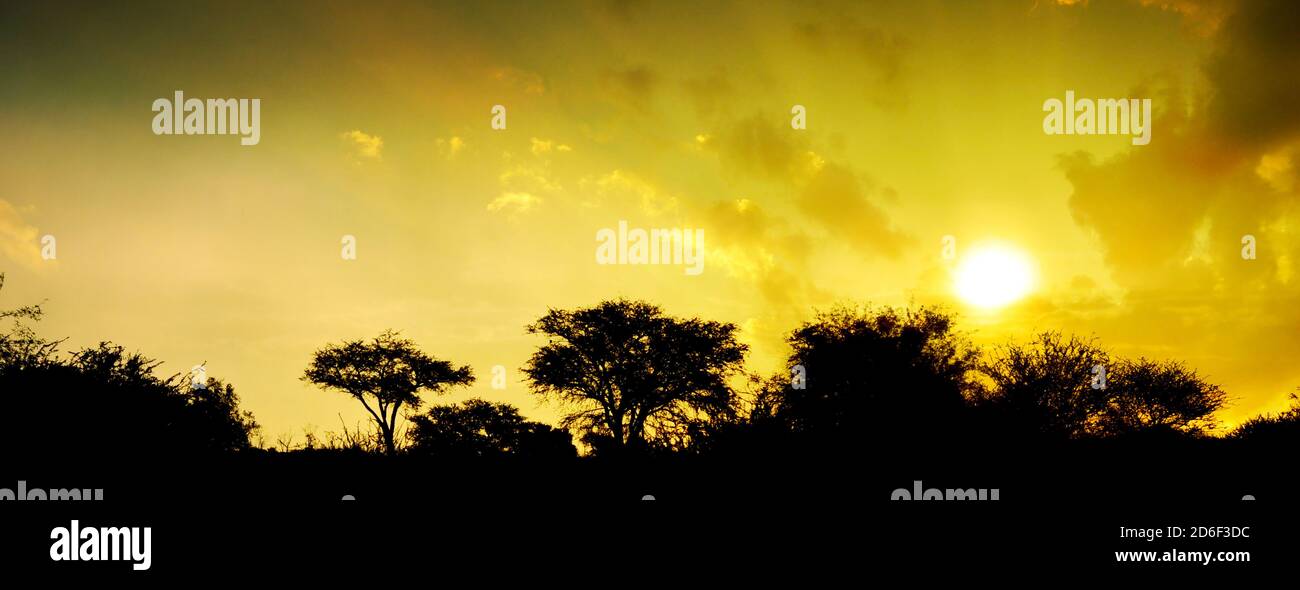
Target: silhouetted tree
[(871, 370), (479, 428), (217, 405), (1047, 385), (1067, 386), (388, 370), (1143, 394), (630, 375), (755, 429)]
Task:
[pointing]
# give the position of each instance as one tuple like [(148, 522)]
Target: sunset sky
[(924, 120)]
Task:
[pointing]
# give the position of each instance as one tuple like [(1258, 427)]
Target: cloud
[(837, 199), (526, 177), (620, 187), (1203, 16), (526, 180), (634, 86), (363, 145), (772, 257), (753, 244), (1223, 168), (1171, 216), (709, 94), (514, 203), (828, 193), (519, 80), (1253, 75), (545, 146), (757, 145), (1278, 169), (448, 148), (624, 12), (874, 55), (18, 239)]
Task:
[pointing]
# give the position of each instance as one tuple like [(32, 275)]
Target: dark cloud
[(773, 256), (1255, 74), (624, 11), (1174, 212), (635, 86), (829, 193), (1203, 17), (1171, 216), (837, 199), (875, 55), (757, 145), (709, 93)]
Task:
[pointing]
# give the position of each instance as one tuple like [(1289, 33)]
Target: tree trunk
[(616, 429), (387, 432)]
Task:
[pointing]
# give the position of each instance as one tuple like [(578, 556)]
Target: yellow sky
[(924, 121)]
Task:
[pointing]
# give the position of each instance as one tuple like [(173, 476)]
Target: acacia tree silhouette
[(630, 374), (390, 370), (1046, 386), (1050, 386), (1144, 395)]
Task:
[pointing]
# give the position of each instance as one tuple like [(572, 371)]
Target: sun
[(991, 277)]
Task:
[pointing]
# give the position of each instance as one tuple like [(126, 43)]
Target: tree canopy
[(865, 370), (388, 371), (479, 428), (1071, 387), (632, 377)]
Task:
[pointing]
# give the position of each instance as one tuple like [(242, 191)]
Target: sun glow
[(992, 277)]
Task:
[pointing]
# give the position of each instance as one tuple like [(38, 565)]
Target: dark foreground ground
[(1060, 508)]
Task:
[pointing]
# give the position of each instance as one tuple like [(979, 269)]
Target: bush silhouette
[(478, 428), (105, 400), (886, 371), (1277, 430)]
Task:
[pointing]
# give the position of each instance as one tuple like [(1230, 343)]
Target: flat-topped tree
[(632, 376), (385, 374)]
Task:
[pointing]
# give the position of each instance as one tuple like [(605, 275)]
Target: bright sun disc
[(992, 277)]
